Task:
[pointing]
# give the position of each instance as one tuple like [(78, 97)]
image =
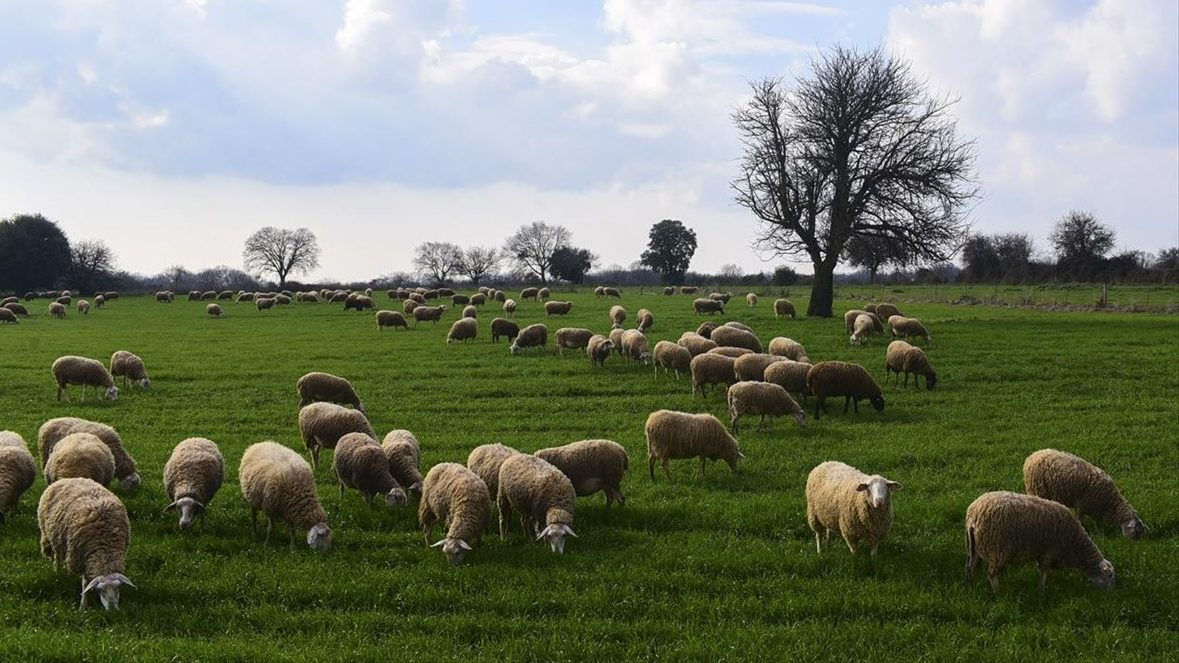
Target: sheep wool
[(849, 320), (573, 338), (430, 313), (837, 378), (592, 466), (790, 375), (504, 327), (789, 348), (884, 311), (764, 399), (672, 357), (644, 320), (751, 299), (688, 289), (509, 306), (704, 305), (470, 311), (7, 315), (840, 498), (128, 365), (87, 372), (617, 316), (908, 359), (528, 293), (403, 453), (456, 497), (81, 455), (532, 336), (317, 386), (360, 463), (555, 307), (192, 476), (18, 470), (598, 349), (538, 493), (52, 432), (1078, 484), (736, 337), (463, 329), (635, 347), (279, 483), (710, 368), (323, 424), (751, 367), (213, 311), (705, 329), (908, 328), (730, 352), (695, 343), (783, 307), (673, 435), (861, 329), (57, 310), (394, 319), (484, 460)]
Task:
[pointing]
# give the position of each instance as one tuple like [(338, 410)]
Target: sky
[(172, 129)]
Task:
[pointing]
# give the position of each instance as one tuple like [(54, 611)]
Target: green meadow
[(719, 569)]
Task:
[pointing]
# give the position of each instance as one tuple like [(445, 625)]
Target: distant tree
[(1014, 252), (437, 260), (570, 264), (872, 252), (223, 277), (730, 273), (177, 278), (92, 264), (670, 247), (479, 261), (1167, 262), (784, 275), (1081, 244), (533, 246), (980, 259), (34, 253), (282, 252)]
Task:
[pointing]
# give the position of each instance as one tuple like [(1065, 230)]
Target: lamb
[(127, 365), (751, 299), (840, 497), (317, 386), (790, 375), (360, 463), (403, 454), (710, 368), (611, 292), (323, 424), (617, 316), (463, 329), (509, 307), (485, 460), (431, 313), (862, 328), (1004, 527), (574, 338), (57, 310), (394, 319), (278, 482), (592, 466), (704, 305), (504, 327), (85, 528), (555, 307), (81, 455), (192, 476), (264, 303), (837, 378), (886, 311), (672, 357), (634, 346), (783, 307), (213, 311), (18, 470), (7, 315), (598, 348), (644, 320), (52, 432), (83, 306), (904, 358), (672, 435), (537, 492), (528, 293), (71, 369), (1077, 483), (737, 338), (695, 343), (908, 328), (752, 367), (459, 499), (789, 348), (687, 289), (532, 336), (761, 398), (470, 311), (849, 320)]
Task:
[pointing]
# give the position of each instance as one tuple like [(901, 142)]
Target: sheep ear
[(438, 544), (570, 532), (464, 545), (861, 488), (544, 532), (90, 585), (893, 485), (124, 580), (417, 486), (170, 507), (740, 455)]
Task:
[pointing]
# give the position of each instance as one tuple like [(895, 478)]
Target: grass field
[(719, 569)]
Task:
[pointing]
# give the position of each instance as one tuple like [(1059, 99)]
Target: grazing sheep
[(85, 528), (57, 310), (18, 470), (500, 296), (904, 358), (463, 329), (81, 455), (555, 307), (837, 378), (213, 310), (403, 453), (783, 307), (283, 300), (99, 301), (225, 294), (751, 299), (264, 303), (410, 305), (532, 336), (644, 320), (504, 327), (862, 328), (323, 424), (721, 296), (635, 347), (598, 348), (278, 482), (1077, 483), (1004, 528), (617, 316), (704, 305), (688, 289), (244, 297), (417, 297), (127, 365), (459, 300), (442, 292), (394, 319), (537, 492), (764, 399), (600, 291), (360, 303), (470, 311), (528, 293), (731, 352), (871, 308), (209, 294), (456, 497), (849, 320), (790, 375), (64, 300), (886, 311), (672, 357), (616, 338), (509, 307), (841, 498), (592, 466), (54, 430), (71, 369), (83, 306), (788, 348), (907, 328), (710, 368), (431, 313), (752, 367), (573, 338), (484, 460), (695, 343), (6, 315), (612, 292), (736, 337), (478, 299), (669, 290), (20, 309), (9, 300), (317, 386), (672, 435), (360, 463), (543, 294), (192, 476)]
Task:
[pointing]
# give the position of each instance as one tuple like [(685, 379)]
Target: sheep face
[(732, 461), (930, 381), (877, 402), (800, 419), (415, 489), (130, 483), (189, 510), (1103, 575), (555, 535), (319, 537), (145, 383), (454, 549), (395, 498), (878, 491), (112, 393), (108, 589), (1133, 529)]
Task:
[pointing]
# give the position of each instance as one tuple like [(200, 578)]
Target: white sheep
[(672, 435), (394, 319), (81, 455), (592, 466), (463, 329), (1078, 484), (736, 337), (57, 310), (317, 386), (710, 368), (644, 320), (213, 310), (598, 349), (705, 305), (695, 343), (18, 470), (573, 338), (862, 328), (617, 316), (509, 306), (764, 399), (900, 357), (403, 452), (635, 347), (192, 476), (456, 497), (789, 348), (672, 357), (841, 498), (908, 328), (532, 336), (323, 424), (127, 365), (87, 372), (537, 492), (790, 375), (360, 463), (52, 431), (484, 460), (783, 307), (278, 482), (752, 366), (555, 307)]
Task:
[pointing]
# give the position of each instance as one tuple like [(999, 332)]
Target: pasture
[(723, 568)]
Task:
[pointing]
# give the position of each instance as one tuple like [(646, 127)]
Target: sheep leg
[(1043, 576), (846, 402), (291, 532), (82, 603), (667, 468), (504, 508), (253, 524), (651, 466), (906, 378), (819, 402), (993, 571), (269, 529), (703, 463)]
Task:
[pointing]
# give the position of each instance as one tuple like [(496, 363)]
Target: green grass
[(719, 569)]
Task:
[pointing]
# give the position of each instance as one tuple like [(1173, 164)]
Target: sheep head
[(112, 392), (1134, 528), (555, 534), (108, 589), (1102, 575), (878, 490), (454, 549), (395, 498), (319, 537), (130, 483), (877, 402), (189, 510)]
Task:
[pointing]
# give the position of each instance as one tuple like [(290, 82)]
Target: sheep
[(504, 327), (64, 300), (1077, 483), (555, 307), (751, 299), (83, 306), (574, 338), (904, 358), (459, 300), (360, 303), (537, 492), (6, 315), (532, 336), (617, 316), (410, 305), (264, 303), (318, 386), (71, 369), (704, 305), (127, 365), (225, 294), (862, 328), (244, 297), (81, 455), (9, 300), (478, 299), (192, 476), (789, 348), (688, 289), (672, 357), (85, 528), (1004, 527), (592, 466), (19, 309), (209, 294), (752, 367), (99, 301), (484, 460), (907, 328), (849, 320), (709, 368), (543, 294), (840, 497), (528, 293), (644, 320), (57, 310), (600, 291), (736, 337), (672, 435), (721, 296), (669, 290), (761, 398), (731, 352), (360, 463), (783, 307), (283, 300), (500, 296), (886, 311), (442, 292), (18, 470), (598, 348), (509, 306), (417, 297), (387, 318), (278, 482), (403, 454), (432, 294), (790, 375), (634, 346), (616, 339), (837, 378), (470, 311), (431, 313), (695, 343), (463, 329), (738, 325), (611, 292), (213, 310), (111, 295), (54, 430), (871, 308), (456, 497), (323, 424)]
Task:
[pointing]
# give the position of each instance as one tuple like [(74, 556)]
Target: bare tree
[(873, 252), (92, 263), (533, 246), (282, 252), (857, 149), (437, 260), (1081, 244), (479, 261)]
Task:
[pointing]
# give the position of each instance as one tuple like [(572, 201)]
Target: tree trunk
[(822, 291)]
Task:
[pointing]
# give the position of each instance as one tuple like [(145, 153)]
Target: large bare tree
[(437, 260), (92, 264), (282, 252), (533, 246), (479, 261), (858, 148)]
